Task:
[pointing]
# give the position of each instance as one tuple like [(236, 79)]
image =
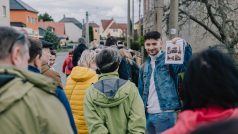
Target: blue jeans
[(157, 123)]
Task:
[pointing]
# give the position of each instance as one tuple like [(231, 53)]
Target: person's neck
[(32, 64), (154, 57)]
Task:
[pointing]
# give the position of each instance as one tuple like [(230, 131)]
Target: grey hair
[(8, 39), (87, 57)]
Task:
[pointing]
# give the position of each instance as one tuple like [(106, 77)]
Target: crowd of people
[(108, 92)]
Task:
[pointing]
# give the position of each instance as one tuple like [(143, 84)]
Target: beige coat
[(45, 70), (28, 104)]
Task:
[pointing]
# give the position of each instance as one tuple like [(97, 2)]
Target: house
[(58, 28), (96, 33), (73, 28), (111, 28), (4, 13), (24, 17)]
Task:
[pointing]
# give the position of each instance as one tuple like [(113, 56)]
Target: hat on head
[(46, 44)]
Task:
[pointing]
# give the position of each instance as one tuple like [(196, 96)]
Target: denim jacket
[(165, 77)]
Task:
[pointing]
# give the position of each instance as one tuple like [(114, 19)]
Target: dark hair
[(77, 53), (210, 80), (110, 41), (225, 127), (8, 38), (108, 60), (152, 35), (53, 52), (35, 49)]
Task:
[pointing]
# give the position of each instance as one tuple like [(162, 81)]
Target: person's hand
[(175, 39)]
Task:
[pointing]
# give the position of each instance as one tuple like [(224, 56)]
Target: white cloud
[(98, 9)]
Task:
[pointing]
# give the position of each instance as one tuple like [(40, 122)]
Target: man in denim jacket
[(157, 84)]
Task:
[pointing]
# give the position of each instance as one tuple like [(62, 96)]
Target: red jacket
[(65, 65), (190, 120)]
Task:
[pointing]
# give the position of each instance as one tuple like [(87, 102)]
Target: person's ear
[(16, 55), (37, 62)]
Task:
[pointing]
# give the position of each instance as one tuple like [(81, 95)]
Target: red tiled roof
[(106, 23), (58, 27), (121, 26), (93, 24)]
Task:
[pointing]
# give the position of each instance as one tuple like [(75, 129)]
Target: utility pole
[(87, 29), (173, 19), (139, 18), (128, 25), (140, 34), (133, 17), (159, 10)]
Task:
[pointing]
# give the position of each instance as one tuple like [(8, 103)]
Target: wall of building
[(73, 32), (28, 18), (96, 33), (4, 18), (191, 31)]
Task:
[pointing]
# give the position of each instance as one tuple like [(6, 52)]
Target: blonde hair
[(127, 55), (87, 57)]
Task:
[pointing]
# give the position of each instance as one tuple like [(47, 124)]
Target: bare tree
[(217, 17)]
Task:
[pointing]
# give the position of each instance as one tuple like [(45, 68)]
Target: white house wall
[(73, 32), (4, 20)]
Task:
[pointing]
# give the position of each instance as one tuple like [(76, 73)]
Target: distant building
[(23, 17), (111, 28), (73, 28), (4, 13), (96, 32), (56, 27)]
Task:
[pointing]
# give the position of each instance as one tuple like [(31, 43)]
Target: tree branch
[(217, 36)]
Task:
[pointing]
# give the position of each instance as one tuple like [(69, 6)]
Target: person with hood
[(28, 104), (210, 92), (35, 53), (125, 67), (113, 105), (81, 77), (68, 65)]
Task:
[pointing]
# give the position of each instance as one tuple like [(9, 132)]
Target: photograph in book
[(174, 53)]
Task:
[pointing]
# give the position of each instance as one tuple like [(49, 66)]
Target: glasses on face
[(20, 37)]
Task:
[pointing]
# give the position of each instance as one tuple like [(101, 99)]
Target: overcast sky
[(98, 9)]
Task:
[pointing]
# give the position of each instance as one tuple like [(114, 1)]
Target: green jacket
[(28, 104), (114, 106)]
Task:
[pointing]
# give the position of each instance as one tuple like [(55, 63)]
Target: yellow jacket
[(79, 80)]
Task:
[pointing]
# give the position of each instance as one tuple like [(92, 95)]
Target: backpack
[(70, 65)]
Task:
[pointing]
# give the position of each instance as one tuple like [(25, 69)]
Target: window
[(115, 30), (32, 20), (28, 19), (4, 11)]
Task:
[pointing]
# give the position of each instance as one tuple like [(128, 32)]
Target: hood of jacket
[(82, 74), (191, 119), (15, 83), (110, 91)]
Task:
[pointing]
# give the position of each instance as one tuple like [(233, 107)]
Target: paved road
[(59, 63)]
